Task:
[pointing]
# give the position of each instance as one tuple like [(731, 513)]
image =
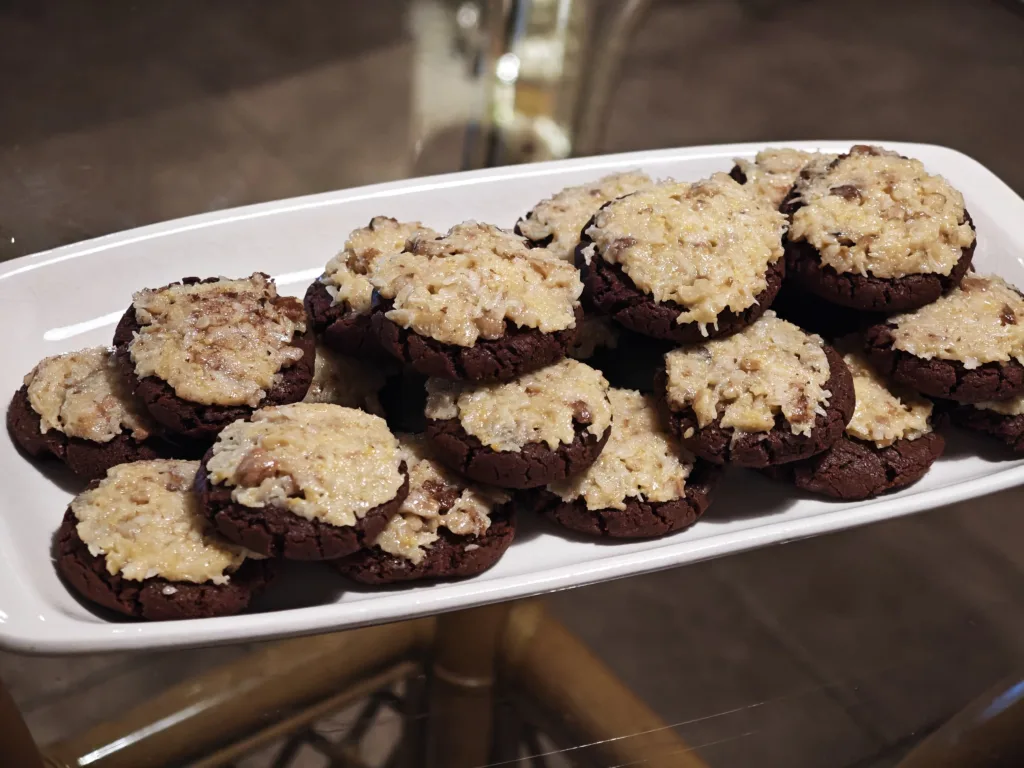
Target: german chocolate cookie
[(76, 407), (889, 443), (477, 304), (768, 395), (644, 483), (968, 346), (303, 481), (773, 171), (999, 419), (447, 527), (537, 429), (874, 231), (340, 300), (555, 223), (201, 354), (135, 542), (684, 262)]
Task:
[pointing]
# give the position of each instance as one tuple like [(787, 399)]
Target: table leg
[(462, 686)]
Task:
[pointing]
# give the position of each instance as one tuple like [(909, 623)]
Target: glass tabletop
[(846, 650)]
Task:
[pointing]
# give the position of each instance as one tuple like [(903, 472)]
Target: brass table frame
[(479, 676), (477, 684)]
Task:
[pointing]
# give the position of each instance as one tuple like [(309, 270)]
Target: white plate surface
[(71, 297)]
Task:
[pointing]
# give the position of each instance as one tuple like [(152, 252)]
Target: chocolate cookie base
[(1009, 430), (947, 379), (276, 532), (640, 519), (779, 445), (149, 599), (816, 315), (88, 459), (518, 351), (450, 557), (194, 421), (634, 361), (866, 292), (544, 242), (404, 399), (339, 327), (612, 292), (737, 175), (853, 470), (530, 467)]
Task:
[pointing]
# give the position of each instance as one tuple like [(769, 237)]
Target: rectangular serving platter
[(72, 297)]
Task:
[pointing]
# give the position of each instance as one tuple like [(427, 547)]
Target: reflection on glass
[(513, 81)]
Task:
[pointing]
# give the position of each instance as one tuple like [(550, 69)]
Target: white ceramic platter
[(71, 297)]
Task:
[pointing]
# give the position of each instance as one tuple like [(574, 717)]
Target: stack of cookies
[(813, 317), (216, 439), (868, 240), (490, 330)]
